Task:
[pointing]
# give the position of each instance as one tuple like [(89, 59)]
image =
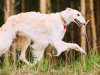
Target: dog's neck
[(64, 22)]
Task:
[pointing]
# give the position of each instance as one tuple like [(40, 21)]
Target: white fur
[(43, 29)]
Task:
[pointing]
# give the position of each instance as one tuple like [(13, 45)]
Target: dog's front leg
[(63, 46)]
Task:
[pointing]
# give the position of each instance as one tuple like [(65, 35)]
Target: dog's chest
[(58, 32)]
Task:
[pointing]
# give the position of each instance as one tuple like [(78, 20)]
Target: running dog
[(42, 30)]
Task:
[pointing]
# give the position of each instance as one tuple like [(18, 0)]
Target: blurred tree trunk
[(23, 5), (71, 54), (83, 30), (83, 34), (98, 23), (88, 28), (6, 9), (58, 5), (28, 5), (43, 6), (93, 25), (71, 26), (48, 6), (13, 7), (13, 50), (6, 15)]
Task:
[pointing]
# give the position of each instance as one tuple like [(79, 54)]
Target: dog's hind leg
[(24, 43), (22, 56), (38, 52), (37, 56), (23, 51)]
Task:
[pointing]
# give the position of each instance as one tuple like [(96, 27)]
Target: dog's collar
[(64, 22)]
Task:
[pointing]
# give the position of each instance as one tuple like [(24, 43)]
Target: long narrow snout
[(79, 23)]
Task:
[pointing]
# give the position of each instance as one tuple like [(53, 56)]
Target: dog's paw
[(82, 51), (54, 52)]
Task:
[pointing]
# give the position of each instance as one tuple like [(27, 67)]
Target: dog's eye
[(78, 14)]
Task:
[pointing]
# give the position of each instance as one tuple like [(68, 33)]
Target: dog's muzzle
[(79, 23)]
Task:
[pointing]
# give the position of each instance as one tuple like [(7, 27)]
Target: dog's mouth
[(78, 22)]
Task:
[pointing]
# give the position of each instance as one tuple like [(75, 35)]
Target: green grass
[(89, 65)]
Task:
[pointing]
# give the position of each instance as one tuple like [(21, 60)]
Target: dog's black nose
[(84, 23)]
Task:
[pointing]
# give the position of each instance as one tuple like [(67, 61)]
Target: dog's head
[(71, 15)]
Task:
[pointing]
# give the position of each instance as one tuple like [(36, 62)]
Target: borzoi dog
[(42, 30)]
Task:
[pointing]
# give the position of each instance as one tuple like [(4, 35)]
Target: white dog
[(41, 29)]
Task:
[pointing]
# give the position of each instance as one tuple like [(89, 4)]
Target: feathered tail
[(6, 38)]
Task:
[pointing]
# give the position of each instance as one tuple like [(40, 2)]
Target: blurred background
[(88, 37)]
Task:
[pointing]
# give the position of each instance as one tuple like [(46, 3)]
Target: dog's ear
[(69, 9), (69, 12)]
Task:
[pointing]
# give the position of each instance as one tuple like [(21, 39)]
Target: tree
[(98, 23), (13, 50), (43, 6), (58, 5), (72, 32), (6, 9), (23, 5), (83, 29), (88, 29), (93, 24), (48, 3)]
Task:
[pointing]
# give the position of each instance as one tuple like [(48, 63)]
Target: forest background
[(88, 37)]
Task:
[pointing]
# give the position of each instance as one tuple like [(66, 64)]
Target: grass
[(88, 66)]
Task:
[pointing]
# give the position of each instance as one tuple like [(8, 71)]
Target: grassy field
[(88, 66)]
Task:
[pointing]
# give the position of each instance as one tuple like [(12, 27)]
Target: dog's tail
[(6, 38), (4, 47)]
